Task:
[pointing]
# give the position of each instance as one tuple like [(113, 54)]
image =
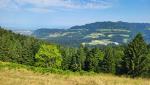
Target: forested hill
[(98, 33), (17, 48), (27, 50), (112, 25)]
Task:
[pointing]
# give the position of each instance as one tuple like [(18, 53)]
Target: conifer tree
[(67, 54), (82, 56), (93, 58), (75, 63), (136, 60), (108, 64)]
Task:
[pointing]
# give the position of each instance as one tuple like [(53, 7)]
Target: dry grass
[(24, 77)]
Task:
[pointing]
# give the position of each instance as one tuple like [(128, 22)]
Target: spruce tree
[(75, 63), (108, 63), (93, 59), (82, 56), (67, 54), (136, 60)]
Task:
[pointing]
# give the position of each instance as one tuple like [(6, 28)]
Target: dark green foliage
[(93, 58), (118, 54), (82, 56), (108, 63), (67, 54), (137, 57), (17, 48), (75, 63), (112, 59)]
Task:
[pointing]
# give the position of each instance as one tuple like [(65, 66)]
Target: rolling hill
[(98, 33)]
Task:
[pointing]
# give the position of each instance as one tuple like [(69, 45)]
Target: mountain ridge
[(98, 33)]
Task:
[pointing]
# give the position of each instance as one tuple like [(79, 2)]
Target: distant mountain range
[(98, 33)]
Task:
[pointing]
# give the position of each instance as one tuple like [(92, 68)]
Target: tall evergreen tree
[(108, 64), (136, 60), (67, 54), (93, 58), (118, 54), (82, 56), (75, 63)]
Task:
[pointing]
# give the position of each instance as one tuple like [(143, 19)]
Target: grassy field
[(22, 76)]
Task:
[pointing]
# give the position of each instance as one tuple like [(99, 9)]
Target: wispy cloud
[(47, 5)]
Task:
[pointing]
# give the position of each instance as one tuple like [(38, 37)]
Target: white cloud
[(6, 4), (45, 5)]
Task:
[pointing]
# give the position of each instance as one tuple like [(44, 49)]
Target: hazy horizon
[(58, 27)]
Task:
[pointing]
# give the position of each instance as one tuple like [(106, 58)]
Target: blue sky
[(66, 13)]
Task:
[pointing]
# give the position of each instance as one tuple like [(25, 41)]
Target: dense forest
[(132, 59)]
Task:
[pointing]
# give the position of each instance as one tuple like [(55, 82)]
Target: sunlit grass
[(22, 76)]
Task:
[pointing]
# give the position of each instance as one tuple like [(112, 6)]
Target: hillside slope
[(13, 74), (98, 33)]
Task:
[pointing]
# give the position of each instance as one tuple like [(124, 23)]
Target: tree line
[(132, 59)]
